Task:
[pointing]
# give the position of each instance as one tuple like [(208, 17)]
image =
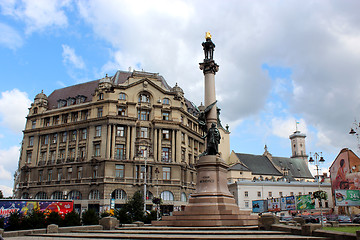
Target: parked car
[(332, 217), (356, 219), (344, 219), (309, 218), (286, 218)]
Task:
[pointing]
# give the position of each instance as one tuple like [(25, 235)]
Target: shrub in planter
[(14, 221), (90, 217), (72, 219), (54, 218)]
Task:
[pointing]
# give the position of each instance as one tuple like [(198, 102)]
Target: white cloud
[(70, 57), (322, 169), (9, 159), (14, 106), (10, 37), (284, 127), (38, 15), (316, 40), (7, 191)]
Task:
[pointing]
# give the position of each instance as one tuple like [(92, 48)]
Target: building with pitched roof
[(256, 177), (98, 141)]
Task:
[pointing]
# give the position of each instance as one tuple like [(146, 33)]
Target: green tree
[(90, 217), (2, 220), (123, 215), (72, 219), (34, 220), (14, 221), (132, 211), (136, 207), (54, 218)]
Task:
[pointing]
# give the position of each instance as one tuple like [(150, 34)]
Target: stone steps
[(178, 233)]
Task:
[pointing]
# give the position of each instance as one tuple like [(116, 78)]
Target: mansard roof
[(87, 89), (84, 89)]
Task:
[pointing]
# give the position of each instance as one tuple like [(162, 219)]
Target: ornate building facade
[(97, 141)]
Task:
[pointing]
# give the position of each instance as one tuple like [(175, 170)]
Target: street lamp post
[(157, 192), (316, 159), (145, 153), (354, 131)]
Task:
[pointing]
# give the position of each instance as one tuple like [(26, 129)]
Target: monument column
[(212, 204)]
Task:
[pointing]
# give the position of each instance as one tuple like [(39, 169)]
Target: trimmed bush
[(54, 218), (90, 217), (72, 219)]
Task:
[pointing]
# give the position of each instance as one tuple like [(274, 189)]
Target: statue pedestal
[(212, 204)]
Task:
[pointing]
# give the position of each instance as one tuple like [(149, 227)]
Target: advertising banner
[(274, 205), (259, 206), (304, 202), (287, 203), (24, 206), (347, 197)]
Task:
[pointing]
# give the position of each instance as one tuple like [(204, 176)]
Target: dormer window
[(35, 111), (101, 96), (71, 101), (80, 99), (61, 103)]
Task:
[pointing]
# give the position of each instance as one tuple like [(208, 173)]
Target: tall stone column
[(212, 204), (210, 68)]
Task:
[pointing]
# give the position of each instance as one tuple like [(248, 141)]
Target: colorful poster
[(345, 171), (304, 202), (259, 206), (274, 205), (24, 206), (347, 197), (287, 203)]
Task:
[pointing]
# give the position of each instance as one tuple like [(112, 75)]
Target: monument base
[(212, 204)]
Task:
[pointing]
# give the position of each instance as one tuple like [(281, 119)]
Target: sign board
[(274, 205), (347, 197), (259, 206), (287, 203), (304, 202)]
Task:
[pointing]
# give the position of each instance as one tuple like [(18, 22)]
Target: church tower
[(298, 149)]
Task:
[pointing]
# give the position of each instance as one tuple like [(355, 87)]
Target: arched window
[(122, 96), (118, 194), (41, 195), (25, 195), (167, 196), (166, 101), (94, 194), (57, 195), (144, 98), (35, 111), (74, 195), (149, 195), (183, 197)]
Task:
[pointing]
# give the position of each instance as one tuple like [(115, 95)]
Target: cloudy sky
[(280, 62)]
